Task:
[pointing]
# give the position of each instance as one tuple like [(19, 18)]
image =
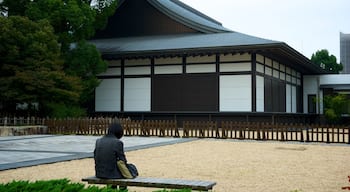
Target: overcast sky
[(305, 25)]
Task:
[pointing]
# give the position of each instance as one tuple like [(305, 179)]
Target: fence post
[(5, 121), (327, 132), (348, 134), (301, 132), (307, 133), (258, 129), (184, 128)]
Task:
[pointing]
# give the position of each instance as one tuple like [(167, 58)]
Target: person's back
[(108, 150)]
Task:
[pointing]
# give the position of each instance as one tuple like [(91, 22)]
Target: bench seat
[(154, 182)]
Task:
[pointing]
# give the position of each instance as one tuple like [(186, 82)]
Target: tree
[(84, 61), (73, 21), (326, 61), (335, 106), (31, 69)]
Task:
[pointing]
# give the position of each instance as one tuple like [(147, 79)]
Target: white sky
[(305, 25)]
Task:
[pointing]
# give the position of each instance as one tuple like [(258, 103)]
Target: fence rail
[(199, 129), (20, 121)]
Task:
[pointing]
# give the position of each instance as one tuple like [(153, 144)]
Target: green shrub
[(335, 106), (61, 185)]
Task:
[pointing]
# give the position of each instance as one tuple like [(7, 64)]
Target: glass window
[(268, 71), (276, 65), (268, 62), (282, 68)]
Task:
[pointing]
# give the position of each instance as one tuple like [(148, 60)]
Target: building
[(316, 87), (170, 61), (345, 52)]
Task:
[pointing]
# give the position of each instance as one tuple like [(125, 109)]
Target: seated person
[(108, 150)]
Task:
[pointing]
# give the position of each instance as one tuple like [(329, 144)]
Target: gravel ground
[(235, 166)]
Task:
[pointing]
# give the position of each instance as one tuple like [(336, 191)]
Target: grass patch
[(61, 185)]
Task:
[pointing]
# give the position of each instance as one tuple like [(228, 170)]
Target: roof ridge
[(188, 16), (195, 11)]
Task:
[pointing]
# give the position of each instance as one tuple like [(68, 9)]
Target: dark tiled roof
[(188, 16), (213, 38), (181, 42)]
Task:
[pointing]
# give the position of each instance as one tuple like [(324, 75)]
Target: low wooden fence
[(20, 121), (198, 129), (99, 126), (79, 126), (161, 128), (206, 129), (201, 129), (285, 132)]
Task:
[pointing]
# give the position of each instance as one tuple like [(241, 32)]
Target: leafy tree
[(73, 21), (84, 61), (326, 61), (335, 106), (31, 69)]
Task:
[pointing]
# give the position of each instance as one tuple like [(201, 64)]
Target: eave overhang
[(207, 44)]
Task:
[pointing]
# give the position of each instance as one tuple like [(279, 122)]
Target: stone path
[(23, 151)]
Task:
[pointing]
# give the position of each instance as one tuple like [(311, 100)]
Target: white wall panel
[(201, 59), (114, 63), (233, 67), (207, 68), (288, 98), (310, 87), (137, 71), (294, 99), (236, 57), (175, 60), (169, 69), (107, 95), (335, 79), (136, 62), (260, 96), (235, 93), (137, 94)]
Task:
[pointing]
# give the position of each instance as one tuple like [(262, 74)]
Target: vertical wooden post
[(348, 134)]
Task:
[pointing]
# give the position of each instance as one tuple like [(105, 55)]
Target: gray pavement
[(23, 151)]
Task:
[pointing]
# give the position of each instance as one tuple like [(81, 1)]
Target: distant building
[(345, 52)]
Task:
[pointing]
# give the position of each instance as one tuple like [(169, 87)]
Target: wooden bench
[(154, 182)]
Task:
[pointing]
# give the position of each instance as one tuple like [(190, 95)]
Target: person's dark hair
[(115, 129)]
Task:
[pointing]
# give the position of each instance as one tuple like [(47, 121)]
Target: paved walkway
[(23, 151)]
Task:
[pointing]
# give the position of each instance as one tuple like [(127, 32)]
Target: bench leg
[(120, 187)]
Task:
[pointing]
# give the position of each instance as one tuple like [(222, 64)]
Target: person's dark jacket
[(107, 150)]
